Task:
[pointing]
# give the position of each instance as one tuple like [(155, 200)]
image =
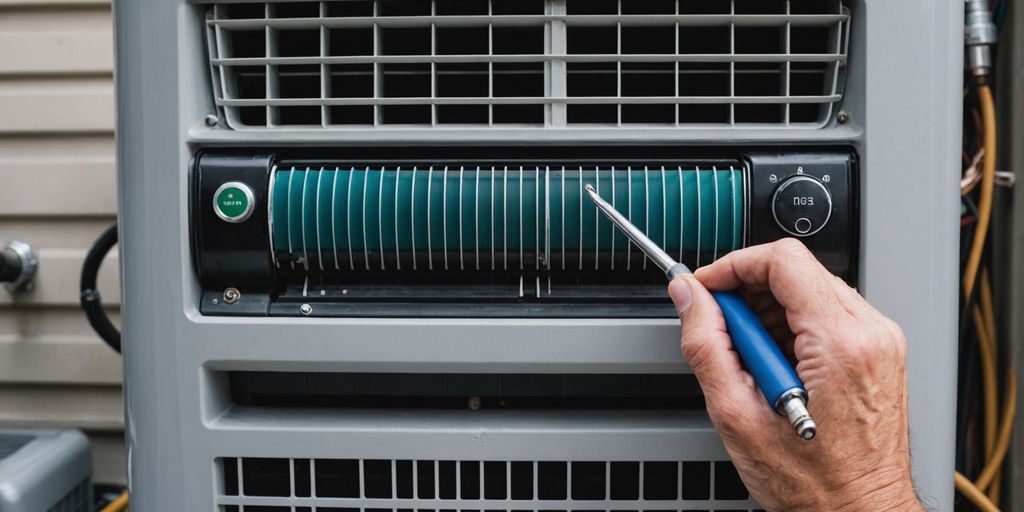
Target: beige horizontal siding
[(57, 165)]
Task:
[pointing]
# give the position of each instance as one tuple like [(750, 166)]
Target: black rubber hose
[(90, 297)]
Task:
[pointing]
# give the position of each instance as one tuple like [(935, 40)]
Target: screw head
[(231, 295), (211, 120), (306, 309), (842, 117)]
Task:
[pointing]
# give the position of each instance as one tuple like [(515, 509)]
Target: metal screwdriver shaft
[(780, 385)]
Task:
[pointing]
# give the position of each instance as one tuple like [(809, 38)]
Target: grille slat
[(551, 63)]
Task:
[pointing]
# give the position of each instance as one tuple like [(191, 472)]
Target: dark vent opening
[(518, 40), (809, 40), (243, 11), (350, 41), (703, 7), (591, 79), (229, 468), (649, 7), (265, 477), (405, 114), (760, 40), (463, 114), (244, 44), (701, 40), (425, 479), (520, 80), (446, 480), (302, 81), (588, 480), (593, 114), (551, 480), (661, 481), (406, 80), (377, 478), (405, 41), (703, 114), (252, 116), (514, 7), (648, 40), (403, 8), (462, 80), (351, 80), (758, 79), (299, 116), (295, 10), (805, 113), (350, 9), (814, 6), (592, 7), (337, 478), (303, 478), (460, 8), (756, 113), (403, 480), (648, 79), (760, 6), (495, 480), (519, 114), (297, 43), (461, 40), (704, 79), (347, 115), (250, 82), (648, 114), (625, 481), (696, 480), (592, 40), (469, 473)]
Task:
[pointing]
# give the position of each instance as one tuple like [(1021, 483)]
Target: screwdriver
[(760, 353)]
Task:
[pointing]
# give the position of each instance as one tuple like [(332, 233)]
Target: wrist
[(882, 490)]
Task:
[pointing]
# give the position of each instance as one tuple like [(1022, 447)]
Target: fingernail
[(679, 290)]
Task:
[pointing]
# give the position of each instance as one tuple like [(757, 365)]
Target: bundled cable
[(90, 294)]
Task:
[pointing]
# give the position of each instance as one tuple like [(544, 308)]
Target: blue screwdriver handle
[(759, 351)]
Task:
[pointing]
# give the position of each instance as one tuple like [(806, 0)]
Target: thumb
[(681, 295)]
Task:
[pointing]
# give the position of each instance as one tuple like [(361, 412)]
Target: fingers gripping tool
[(760, 353)]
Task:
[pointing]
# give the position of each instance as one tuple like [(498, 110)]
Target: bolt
[(474, 403), (306, 309), (842, 117), (211, 120), (231, 295)]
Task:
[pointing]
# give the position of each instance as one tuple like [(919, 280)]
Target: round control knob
[(233, 202), (801, 205)]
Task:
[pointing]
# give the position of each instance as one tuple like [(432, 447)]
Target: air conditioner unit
[(359, 272), (45, 470)]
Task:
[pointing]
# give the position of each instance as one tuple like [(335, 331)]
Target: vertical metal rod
[(319, 244), (476, 211), (334, 216), (348, 219), (547, 218), (430, 198), (700, 213), (647, 209), (366, 244), (521, 215), (536, 216), (504, 216), (562, 200), (494, 243), (302, 218), (714, 177), (597, 221), (462, 261), (629, 214), (288, 225), (380, 217), (664, 210), (613, 225), (682, 214), (398, 183), (412, 217), (580, 248), (444, 215)]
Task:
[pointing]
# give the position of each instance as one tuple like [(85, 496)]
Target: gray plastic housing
[(903, 112), (45, 470)]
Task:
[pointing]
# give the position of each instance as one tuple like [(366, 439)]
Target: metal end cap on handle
[(794, 405)]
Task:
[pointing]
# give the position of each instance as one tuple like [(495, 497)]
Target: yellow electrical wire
[(988, 383), (989, 316), (118, 505), (988, 179), (991, 470), (972, 493)]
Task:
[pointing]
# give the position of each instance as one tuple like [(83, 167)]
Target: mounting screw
[(211, 120), (306, 309), (474, 403), (842, 117), (231, 295)]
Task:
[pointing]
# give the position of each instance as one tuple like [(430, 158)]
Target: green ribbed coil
[(454, 218)]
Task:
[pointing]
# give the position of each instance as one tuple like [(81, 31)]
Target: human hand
[(851, 359)]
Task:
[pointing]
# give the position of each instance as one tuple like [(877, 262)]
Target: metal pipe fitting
[(979, 36), (18, 263), (793, 404)]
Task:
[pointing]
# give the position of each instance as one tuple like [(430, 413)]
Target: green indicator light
[(233, 202)]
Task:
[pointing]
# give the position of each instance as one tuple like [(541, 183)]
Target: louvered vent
[(553, 63), (355, 485)]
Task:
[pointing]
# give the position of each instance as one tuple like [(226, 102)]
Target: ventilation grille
[(553, 63), (352, 485), (78, 499)]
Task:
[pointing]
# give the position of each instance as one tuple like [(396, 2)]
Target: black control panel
[(809, 196)]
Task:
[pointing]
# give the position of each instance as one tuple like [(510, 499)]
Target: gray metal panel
[(44, 470), (907, 267)]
